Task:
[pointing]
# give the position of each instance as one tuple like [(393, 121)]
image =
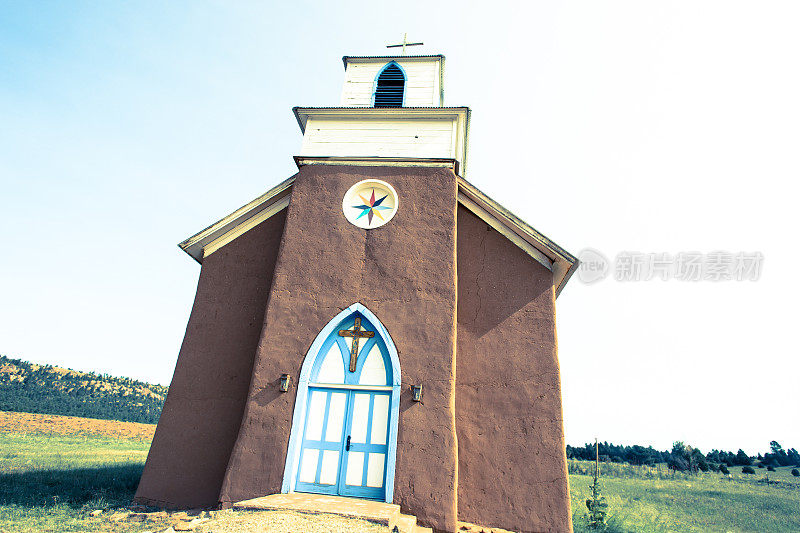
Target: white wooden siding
[(380, 137), (422, 83)]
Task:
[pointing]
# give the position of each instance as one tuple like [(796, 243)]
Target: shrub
[(748, 470), (724, 469), (760, 465), (770, 468), (795, 473), (677, 463)]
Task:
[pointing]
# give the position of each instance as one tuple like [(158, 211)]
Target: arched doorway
[(344, 427)]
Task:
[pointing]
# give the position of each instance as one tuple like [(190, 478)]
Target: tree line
[(684, 457), (43, 389)]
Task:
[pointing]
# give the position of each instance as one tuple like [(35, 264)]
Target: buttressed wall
[(404, 272), (473, 320), (203, 409), (511, 455)]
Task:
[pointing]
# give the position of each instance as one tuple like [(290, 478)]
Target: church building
[(373, 327)]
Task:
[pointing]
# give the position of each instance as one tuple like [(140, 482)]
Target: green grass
[(51, 483), (643, 499)]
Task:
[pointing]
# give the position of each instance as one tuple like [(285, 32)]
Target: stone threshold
[(387, 514)]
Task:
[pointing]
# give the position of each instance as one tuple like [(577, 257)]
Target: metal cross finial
[(404, 44), (356, 333)]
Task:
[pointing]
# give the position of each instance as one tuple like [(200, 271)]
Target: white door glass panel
[(355, 468), (316, 414), (308, 466), (380, 419), (333, 433), (358, 430), (375, 470), (374, 371), (330, 467), (332, 368)]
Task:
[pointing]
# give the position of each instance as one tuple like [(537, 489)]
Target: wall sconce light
[(286, 379), (416, 393)]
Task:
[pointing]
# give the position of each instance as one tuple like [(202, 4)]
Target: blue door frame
[(297, 440)]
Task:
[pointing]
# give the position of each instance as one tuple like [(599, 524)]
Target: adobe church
[(373, 327)]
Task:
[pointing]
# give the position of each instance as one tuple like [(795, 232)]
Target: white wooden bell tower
[(364, 129)]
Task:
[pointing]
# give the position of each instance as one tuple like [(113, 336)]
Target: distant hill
[(46, 389)]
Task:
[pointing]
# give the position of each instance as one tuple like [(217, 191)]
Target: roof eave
[(561, 263), (196, 245), (346, 59)]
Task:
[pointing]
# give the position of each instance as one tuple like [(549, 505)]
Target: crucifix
[(404, 44), (357, 333)]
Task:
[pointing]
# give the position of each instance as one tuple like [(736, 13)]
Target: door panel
[(320, 459), (365, 461)]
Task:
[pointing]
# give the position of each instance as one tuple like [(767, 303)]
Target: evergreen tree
[(597, 505)]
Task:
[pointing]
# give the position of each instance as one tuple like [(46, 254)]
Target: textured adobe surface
[(404, 272), (512, 464), (203, 409), (223, 438)]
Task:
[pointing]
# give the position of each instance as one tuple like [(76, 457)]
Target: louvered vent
[(391, 83)]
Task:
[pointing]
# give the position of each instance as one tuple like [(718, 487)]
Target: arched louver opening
[(391, 83)]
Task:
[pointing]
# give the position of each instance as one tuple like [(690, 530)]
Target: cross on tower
[(404, 44), (357, 333)]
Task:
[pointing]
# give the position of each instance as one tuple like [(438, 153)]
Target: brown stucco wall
[(512, 464), (404, 272), (204, 407)]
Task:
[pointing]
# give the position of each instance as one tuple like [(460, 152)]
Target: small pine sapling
[(598, 508)]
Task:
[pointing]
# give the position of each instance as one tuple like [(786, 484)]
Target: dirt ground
[(286, 521), (35, 424)]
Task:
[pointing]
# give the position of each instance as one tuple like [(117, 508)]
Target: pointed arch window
[(344, 427), (374, 366), (390, 86)]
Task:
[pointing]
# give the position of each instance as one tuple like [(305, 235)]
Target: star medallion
[(371, 207)]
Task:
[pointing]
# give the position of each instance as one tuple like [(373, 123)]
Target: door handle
[(347, 446)]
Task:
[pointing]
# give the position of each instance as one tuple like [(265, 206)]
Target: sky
[(625, 128)]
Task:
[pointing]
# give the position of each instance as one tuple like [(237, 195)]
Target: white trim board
[(377, 161), (404, 118), (196, 244)]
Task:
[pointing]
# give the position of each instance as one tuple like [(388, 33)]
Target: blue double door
[(345, 442)]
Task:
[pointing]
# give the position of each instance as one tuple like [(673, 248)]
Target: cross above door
[(356, 333)]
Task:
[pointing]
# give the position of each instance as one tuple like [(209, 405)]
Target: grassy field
[(55, 470), (654, 499)]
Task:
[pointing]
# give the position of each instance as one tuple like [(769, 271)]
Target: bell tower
[(391, 112)]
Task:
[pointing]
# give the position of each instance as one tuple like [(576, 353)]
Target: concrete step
[(405, 524), (420, 529), (387, 514)]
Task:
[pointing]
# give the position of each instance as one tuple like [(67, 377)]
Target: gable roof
[(549, 254)]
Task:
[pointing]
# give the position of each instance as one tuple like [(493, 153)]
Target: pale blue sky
[(644, 126)]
